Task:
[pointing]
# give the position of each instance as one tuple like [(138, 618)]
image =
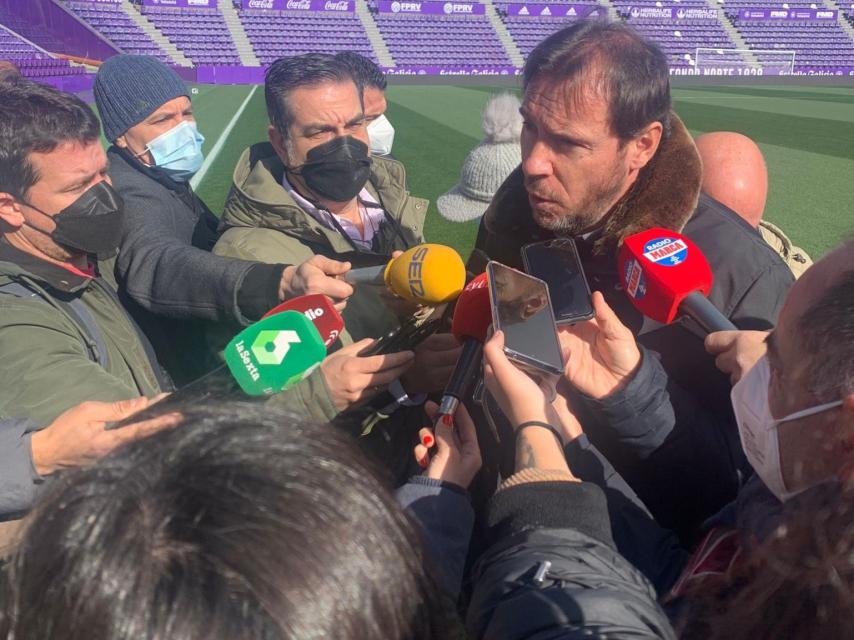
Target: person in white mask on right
[(794, 408), (374, 83)]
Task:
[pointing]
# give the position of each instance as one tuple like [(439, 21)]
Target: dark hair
[(797, 584), (238, 523), (287, 74), (629, 71), (827, 333), (36, 118), (364, 70)]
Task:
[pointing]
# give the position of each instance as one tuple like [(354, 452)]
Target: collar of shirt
[(372, 217), (63, 278)]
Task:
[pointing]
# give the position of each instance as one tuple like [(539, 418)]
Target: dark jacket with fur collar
[(680, 482)]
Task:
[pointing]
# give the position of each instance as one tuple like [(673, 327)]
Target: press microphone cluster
[(667, 276), (429, 274)]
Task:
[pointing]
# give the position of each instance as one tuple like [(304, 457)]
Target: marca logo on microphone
[(635, 283), (667, 252), (416, 284)]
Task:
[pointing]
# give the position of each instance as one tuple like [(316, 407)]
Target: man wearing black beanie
[(164, 271)]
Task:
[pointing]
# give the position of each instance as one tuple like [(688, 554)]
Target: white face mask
[(757, 428), (381, 136)]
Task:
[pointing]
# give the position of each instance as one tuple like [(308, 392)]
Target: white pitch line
[(211, 157)]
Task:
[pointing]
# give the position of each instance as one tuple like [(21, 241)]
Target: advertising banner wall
[(433, 8), (194, 4), (426, 70), (787, 14), (673, 13), (338, 6), (535, 10)]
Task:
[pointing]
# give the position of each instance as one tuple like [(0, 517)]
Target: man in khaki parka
[(314, 189)]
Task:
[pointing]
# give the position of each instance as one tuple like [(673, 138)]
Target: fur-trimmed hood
[(664, 195)]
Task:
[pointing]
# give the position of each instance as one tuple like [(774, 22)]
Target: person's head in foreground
[(373, 82), (238, 523), (734, 173), (795, 406), (56, 202), (318, 127), (798, 584), (146, 110), (596, 108)]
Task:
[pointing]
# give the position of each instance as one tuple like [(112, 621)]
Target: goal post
[(744, 62)]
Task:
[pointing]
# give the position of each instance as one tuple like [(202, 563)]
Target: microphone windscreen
[(473, 313), (274, 353), (429, 274), (319, 309), (658, 268)]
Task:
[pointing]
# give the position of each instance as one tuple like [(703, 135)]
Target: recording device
[(428, 274), (319, 309), (521, 308), (411, 332), (557, 263), (666, 275), (472, 317)]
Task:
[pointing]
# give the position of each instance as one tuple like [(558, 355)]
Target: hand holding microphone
[(317, 275), (428, 274)]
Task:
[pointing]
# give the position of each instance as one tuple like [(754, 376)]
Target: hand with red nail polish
[(456, 457)]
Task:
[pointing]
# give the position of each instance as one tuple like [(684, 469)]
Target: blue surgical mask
[(178, 152)]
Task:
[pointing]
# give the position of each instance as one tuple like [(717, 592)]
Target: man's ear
[(121, 142), (10, 211), (642, 147), (278, 142)]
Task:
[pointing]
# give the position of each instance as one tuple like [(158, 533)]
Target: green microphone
[(275, 353)]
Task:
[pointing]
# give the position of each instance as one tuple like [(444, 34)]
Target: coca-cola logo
[(337, 5), (299, 5), (260, 4)]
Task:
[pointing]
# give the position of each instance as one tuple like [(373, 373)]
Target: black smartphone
[(557, 262), (411, 332), (521, 308)]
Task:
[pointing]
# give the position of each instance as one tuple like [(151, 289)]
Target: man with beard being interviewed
[(604, 157)]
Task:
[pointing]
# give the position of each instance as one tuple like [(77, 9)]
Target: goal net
[(744, 62)]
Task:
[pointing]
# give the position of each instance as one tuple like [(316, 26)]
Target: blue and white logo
[(668, 252)]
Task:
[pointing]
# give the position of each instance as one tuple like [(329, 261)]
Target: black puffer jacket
[(553, 572)]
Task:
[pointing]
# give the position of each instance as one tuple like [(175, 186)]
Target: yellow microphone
[(428, 274)]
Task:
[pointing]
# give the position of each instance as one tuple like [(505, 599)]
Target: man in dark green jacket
[(64, 336)]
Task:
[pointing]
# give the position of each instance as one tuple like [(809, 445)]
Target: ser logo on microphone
[(416, 284)]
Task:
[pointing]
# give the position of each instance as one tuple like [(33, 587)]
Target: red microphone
[(320, 310), (472, 317), (666, 275)]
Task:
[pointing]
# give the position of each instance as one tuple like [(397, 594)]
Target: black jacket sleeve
[(159, 267), (553, 572)]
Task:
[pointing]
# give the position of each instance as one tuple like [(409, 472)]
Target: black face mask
[(92, 223), (336, 170)]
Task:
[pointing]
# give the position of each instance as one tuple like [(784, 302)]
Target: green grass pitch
[(806, 134)]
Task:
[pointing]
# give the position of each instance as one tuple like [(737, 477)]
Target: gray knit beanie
[(488, 164), (128, 89)]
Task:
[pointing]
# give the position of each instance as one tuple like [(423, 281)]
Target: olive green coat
[(262, 222)]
